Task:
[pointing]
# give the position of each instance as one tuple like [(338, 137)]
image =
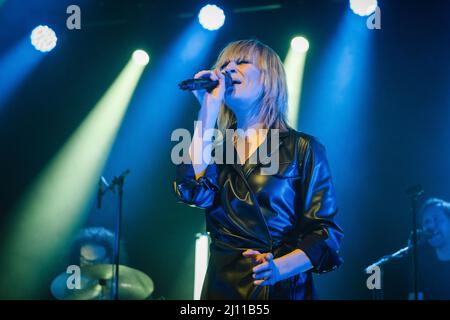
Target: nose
[(231, 67)]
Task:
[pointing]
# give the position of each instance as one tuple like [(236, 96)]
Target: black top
[(434, 276), (245, 209)]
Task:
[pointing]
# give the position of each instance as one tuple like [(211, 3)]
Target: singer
[(269, 233)]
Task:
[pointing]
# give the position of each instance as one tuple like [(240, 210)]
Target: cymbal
[(96, 282)]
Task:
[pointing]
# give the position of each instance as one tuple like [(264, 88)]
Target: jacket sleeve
[(198, 193), (320, 237)]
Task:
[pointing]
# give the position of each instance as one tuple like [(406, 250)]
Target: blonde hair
[(271, 106)]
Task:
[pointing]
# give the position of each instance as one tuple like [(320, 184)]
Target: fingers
[(262, 267), (204, 73), (249, 252), (218, 92), (253, 254), (263, 272), (220, 76), (220, 89), (267, 282), (261, 258), (256, 256), (262, 275), (212, 74)]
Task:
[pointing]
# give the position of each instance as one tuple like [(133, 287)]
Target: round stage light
[(211, 17), (141, 57), (43, 38), (363, 7), (300, 44)]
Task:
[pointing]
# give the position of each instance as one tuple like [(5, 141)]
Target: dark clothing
[(294, 208), (434, 276)]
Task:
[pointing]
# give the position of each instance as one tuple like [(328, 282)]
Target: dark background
[(378, 99)]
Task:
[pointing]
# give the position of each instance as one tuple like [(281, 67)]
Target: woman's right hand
[(207, 117), (214, 99)]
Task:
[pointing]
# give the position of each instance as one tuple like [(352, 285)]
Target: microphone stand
[(414, 194), (119, 182), (385, 259)]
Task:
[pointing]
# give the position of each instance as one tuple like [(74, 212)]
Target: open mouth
[(233, 83)]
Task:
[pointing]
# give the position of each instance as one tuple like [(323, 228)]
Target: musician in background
[(434, 265), (94, 245), (93, 250)]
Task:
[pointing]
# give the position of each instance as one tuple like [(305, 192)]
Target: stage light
[(299, 44), (43, 38), (294, 64), (16, 65), (211, 17), (54, 206), (141, 57), (363, 7), (201, 262)]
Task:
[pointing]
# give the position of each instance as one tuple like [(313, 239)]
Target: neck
[(245, 121), (443, 253)]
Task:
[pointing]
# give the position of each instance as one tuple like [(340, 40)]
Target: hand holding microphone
[(212, 97), (204, 82), (209, 87)]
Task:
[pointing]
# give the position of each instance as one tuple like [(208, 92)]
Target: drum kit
[(97, 283), (106, 281)]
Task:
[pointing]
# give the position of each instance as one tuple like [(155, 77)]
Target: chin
[(231, 95)]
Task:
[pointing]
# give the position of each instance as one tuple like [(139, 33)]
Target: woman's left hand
[(266, 272)]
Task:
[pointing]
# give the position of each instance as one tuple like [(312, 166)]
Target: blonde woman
[(269, 233)]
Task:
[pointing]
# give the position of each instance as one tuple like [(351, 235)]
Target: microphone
[(414, 191), (104, 187), (204, 83), (120, 178), (100, 191), (422, 235)]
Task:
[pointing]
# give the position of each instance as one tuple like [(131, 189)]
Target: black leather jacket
[(294, 208)]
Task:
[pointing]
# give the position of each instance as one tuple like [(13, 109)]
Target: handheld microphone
[(204, 83)]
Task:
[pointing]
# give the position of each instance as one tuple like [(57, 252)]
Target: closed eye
[(224, 65), (237, 62)]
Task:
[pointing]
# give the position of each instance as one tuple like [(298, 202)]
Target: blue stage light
[(43, 38), (211, 17), (363, 7)]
